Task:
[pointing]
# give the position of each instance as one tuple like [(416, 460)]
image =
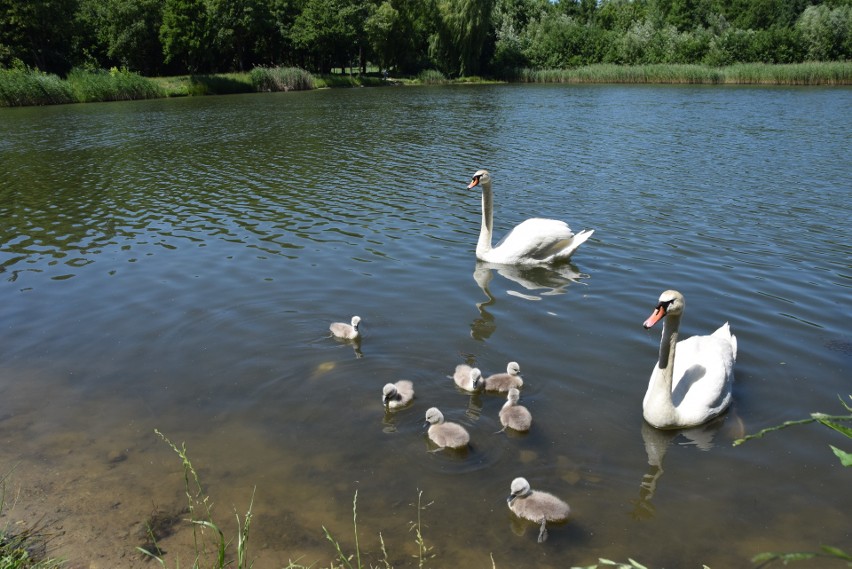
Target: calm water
[(175, 264)]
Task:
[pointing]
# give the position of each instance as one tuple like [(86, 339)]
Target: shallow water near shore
[(175, 264)]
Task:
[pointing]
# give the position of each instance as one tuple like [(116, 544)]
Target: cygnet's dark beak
[(509, 498)]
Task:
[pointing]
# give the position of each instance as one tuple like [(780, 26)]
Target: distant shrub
[(431, 77), (281, 79), (23, 87)]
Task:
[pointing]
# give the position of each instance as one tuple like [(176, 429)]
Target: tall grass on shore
[(113, 85), (432, 77), (827, 73), (281, 79), (21, 87)]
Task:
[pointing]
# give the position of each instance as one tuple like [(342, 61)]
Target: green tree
[(826, 32), (244, 33), (461, 32), (382, 28), (327, 32), (619, 15), (127, 32), (185, 34), (38, 33)]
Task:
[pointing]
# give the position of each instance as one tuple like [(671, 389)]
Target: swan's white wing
[(703, 376), (535, 240)]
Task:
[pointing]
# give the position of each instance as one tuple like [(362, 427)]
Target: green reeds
[(281, 79), (431, 77), (828, 73), (113, 85), (24, 87)]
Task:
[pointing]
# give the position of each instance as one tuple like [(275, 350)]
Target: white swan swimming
[(536, 506), (346, 331), (535, 241), (692, 380)]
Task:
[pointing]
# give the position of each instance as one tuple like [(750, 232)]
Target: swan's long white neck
[(660, 389), (484, 243)]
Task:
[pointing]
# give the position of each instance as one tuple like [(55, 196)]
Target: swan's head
[(475, 377), (519, 488), (389, 391), (513, 368), (480, 177), (355, 321), (434, 416), (513, 395), (671, 302)]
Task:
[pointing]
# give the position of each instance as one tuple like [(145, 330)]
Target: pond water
[(175, 264)]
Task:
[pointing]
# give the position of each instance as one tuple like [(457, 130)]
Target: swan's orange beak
[(658, 313), (473, 183)]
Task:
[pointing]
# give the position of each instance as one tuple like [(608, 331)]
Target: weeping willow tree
[(461, 32)]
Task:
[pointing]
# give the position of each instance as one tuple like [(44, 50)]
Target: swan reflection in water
[(657, 442), (535, 282)]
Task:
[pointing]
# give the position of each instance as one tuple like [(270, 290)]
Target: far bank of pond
[(31, 87)]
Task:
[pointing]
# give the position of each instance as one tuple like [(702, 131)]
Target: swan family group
[(690, 384)]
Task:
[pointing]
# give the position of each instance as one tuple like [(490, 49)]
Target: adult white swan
[(533, 242), (691, 382)]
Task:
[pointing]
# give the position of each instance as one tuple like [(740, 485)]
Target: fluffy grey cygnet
[(444, 434), (536, 506), (505, 381), (468, 378), (346, 331), (515, 416), (399, 394)]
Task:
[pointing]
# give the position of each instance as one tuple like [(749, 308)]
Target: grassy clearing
[(829, 73)]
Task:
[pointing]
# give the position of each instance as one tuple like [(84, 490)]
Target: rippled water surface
[(174, 265)]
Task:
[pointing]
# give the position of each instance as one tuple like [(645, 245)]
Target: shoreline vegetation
[(28, 87)]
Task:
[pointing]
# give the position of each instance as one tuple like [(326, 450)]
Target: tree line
[(456, 37)]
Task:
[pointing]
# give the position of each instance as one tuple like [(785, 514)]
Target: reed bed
[(281, 79), (20, 88), (112, 85), (818, 73), (432, 77)]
